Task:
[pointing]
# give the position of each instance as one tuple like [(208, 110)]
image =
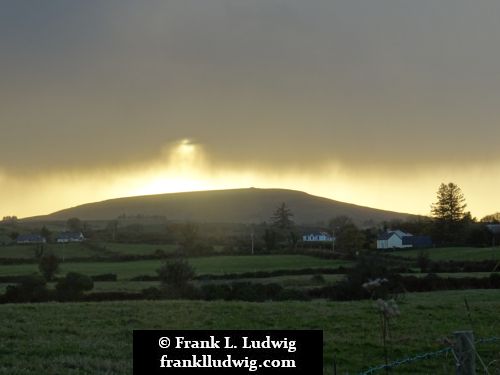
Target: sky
[(372, 102)]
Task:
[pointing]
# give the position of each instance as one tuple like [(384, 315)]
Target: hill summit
[(226, 206)]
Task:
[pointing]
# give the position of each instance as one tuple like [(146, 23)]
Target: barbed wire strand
[(423, 356)]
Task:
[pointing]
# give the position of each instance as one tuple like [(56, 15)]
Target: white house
[(317, 237), (66, 237), (393, 240)]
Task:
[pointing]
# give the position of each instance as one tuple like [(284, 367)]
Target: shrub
[(71, 287), (423, 260), (31, 288), (48, 266), (176, 272), (104, 277), (184, 291), (152, 293), (318, 279), (246, 291)]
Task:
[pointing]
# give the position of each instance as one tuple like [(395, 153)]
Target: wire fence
[(424, 356)]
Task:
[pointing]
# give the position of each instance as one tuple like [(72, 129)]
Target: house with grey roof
[(317, 237), (66, 237), (30, 239), (397, 239)]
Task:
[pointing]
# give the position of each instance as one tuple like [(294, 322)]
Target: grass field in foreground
[(96, 338), (205, 265), (455, 253)]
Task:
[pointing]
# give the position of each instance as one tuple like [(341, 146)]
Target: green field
[(205, 265), (96, 338), (70, 250), (79, 250), (136, 249), (455, 253)]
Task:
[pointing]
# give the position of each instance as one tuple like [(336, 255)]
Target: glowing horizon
[(185, 166)]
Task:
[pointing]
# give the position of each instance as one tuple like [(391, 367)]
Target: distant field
[(206, 265), (137, 249), (96, 338), (78, 250), (455, 253), (70, 250)]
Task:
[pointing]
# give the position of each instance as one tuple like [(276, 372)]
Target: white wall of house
[(392, 242)]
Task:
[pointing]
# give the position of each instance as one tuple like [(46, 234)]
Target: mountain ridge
[(246, 205)]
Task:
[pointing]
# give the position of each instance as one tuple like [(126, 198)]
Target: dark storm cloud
[(271, 83)]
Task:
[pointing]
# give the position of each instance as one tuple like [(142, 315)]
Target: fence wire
[(423, 356)]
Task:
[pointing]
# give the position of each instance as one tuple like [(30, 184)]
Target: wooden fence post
[(465, 351)]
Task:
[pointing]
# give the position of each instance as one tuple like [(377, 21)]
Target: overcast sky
[(374, 102)]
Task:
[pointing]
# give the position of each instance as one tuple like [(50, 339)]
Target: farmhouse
[(318, 237), (66, 237), (392, 240), (30, 238), (397, 239)]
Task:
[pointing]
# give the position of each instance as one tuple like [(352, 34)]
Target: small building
[(317, 237), (392, 240), (30, 239), (397, 239), (66, 237), (417, 241)]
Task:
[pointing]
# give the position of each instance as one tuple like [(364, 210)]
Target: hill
[(230, 206)]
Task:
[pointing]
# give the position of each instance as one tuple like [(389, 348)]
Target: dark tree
[(32, 288), (348, 238), (450, 204), (449, 214), (71, 287), (46, 233), (188, 238), (493, 218), (270, 239), (282, 217), (74, 224), (176, 272), (423, 260), (112, 228), (284, 227), (48, 266)]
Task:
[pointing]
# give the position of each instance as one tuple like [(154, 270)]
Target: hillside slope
[(236, 206)]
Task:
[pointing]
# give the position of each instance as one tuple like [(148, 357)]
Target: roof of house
[(400, 233), (390, 233), (29, 237), (317, 234), (69, 235), (386, 236)]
